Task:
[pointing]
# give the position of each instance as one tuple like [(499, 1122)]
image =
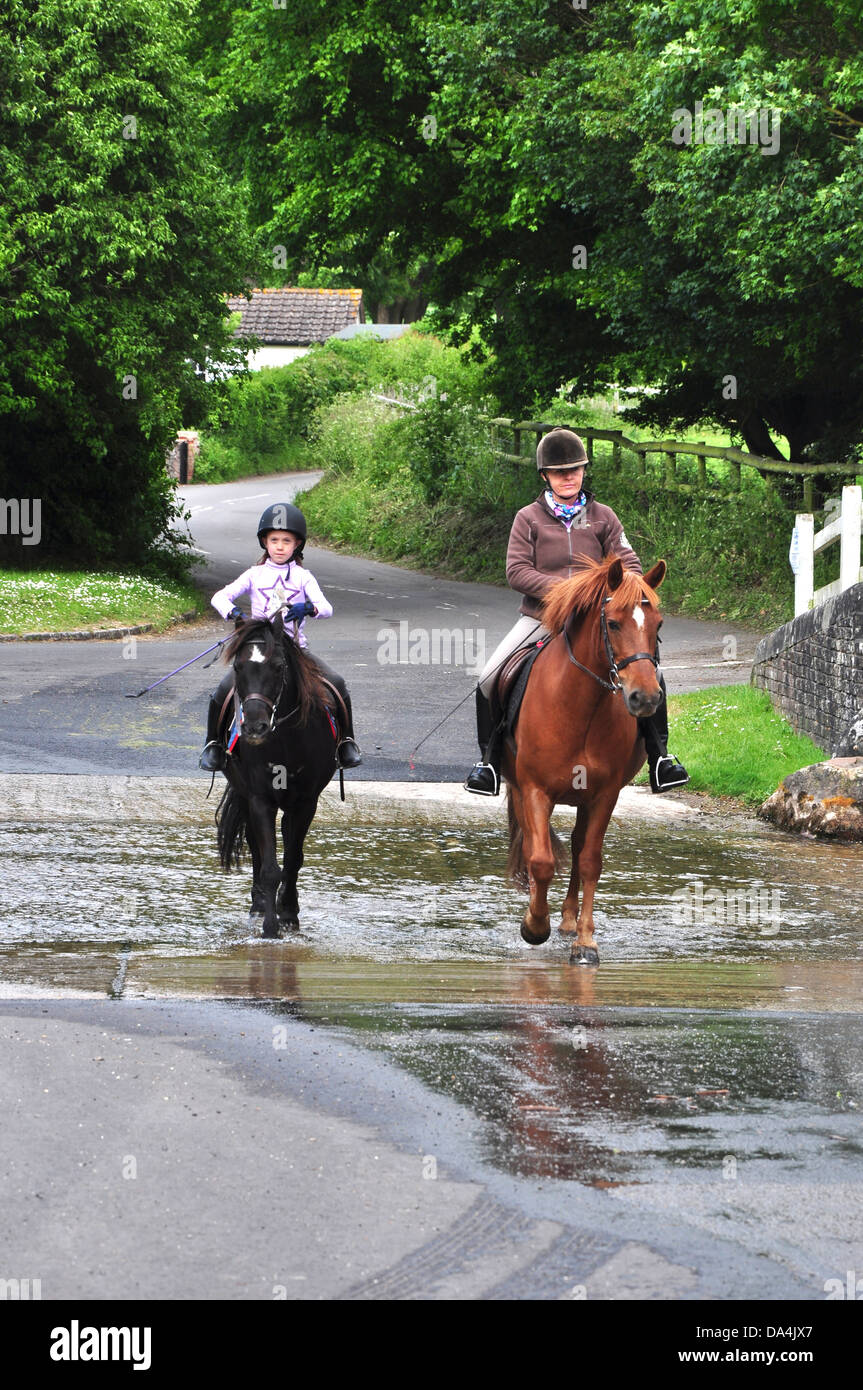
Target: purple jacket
[(273, 587)]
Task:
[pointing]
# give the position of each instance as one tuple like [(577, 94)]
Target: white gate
[(805, 545)]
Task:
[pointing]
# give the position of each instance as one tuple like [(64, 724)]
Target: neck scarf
[(565, 510)]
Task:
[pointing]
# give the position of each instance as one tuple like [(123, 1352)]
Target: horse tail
[(232, 815), (560, 849), (516, 867)]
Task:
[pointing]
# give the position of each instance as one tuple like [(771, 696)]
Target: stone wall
[(812, 668)]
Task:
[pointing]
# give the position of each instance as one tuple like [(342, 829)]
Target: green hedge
[(258, 420), (422, 486)]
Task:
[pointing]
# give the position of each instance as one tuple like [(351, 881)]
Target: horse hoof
[(290, 923), (568, 927), (535, 938), (584, 955)]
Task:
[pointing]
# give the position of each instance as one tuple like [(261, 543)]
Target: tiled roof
[(296, 318)]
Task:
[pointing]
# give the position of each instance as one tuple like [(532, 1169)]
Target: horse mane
[(311, 692), (585, 589)]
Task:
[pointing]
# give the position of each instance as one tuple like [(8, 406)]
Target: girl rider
[(545, 544), (278, 580)]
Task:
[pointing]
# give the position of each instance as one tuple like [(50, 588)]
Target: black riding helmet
[(282, 516), (560, 448)]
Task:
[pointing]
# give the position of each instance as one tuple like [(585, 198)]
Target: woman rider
[(545, 544)]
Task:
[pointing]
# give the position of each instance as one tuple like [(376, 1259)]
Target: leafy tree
[(488, 141), (118, 242), (730, 273), (322, 130)]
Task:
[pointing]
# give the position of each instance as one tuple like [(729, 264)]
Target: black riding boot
[(484, 777), (348, 751), (666, 772), (213, 757)]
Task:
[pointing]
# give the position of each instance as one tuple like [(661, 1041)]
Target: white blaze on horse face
[(256, 654), (638, 615)]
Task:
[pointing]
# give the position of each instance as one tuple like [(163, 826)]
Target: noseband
[(615, 666)]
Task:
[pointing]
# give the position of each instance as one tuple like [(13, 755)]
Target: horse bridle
[(615, 666), (273, 704)]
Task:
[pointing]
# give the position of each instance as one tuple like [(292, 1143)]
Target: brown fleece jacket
[(541, 550)]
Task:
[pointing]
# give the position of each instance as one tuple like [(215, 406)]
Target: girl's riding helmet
[(282, 516), (559, 448)]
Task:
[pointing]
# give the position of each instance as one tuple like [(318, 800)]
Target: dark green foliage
[(117, 245), (552, 131)]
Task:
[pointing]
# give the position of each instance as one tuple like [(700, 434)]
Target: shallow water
[(411, 892), (710, 1055), (724, 911), (630, 1096)]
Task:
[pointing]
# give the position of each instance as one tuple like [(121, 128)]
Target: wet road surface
[(404, 1100)]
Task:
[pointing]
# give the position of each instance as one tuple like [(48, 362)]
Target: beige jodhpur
[(525, 632)]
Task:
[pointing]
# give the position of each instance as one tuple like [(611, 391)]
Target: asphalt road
[(408, 644), (179, 1150)]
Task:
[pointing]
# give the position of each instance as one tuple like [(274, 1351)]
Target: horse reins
[(273, 704), (615, 666)]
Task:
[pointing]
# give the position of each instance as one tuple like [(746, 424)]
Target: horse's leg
[(256, 914), (569, 920), (295, 825), (262, 819), (584, 950), (536, 811)]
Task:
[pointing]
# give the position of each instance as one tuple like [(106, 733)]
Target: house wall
[(273, 357)]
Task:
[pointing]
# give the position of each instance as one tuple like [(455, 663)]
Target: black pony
[(283, 759)]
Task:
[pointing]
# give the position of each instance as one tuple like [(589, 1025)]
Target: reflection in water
[(610, 1076), (615, 1097)]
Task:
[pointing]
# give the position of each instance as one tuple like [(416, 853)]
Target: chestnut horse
[(577, 739)]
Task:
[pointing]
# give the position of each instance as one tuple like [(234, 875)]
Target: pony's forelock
[(585, 589), (250, 629)]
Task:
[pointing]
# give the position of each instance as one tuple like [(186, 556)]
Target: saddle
[(508, 690)]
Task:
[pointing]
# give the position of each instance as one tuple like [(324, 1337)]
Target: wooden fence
[(516, 433)]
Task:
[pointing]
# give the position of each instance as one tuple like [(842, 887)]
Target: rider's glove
[(236, 613), (295, 611)]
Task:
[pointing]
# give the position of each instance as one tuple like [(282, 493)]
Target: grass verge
[(76, 600), (733, 743)]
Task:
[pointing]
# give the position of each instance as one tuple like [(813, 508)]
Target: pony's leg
[(256, 915), (569, 920), (584, 949), (295, 825), (262, 819), (536, 809)]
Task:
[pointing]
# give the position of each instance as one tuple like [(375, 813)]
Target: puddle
[(721, 1036), (632, 1098)]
